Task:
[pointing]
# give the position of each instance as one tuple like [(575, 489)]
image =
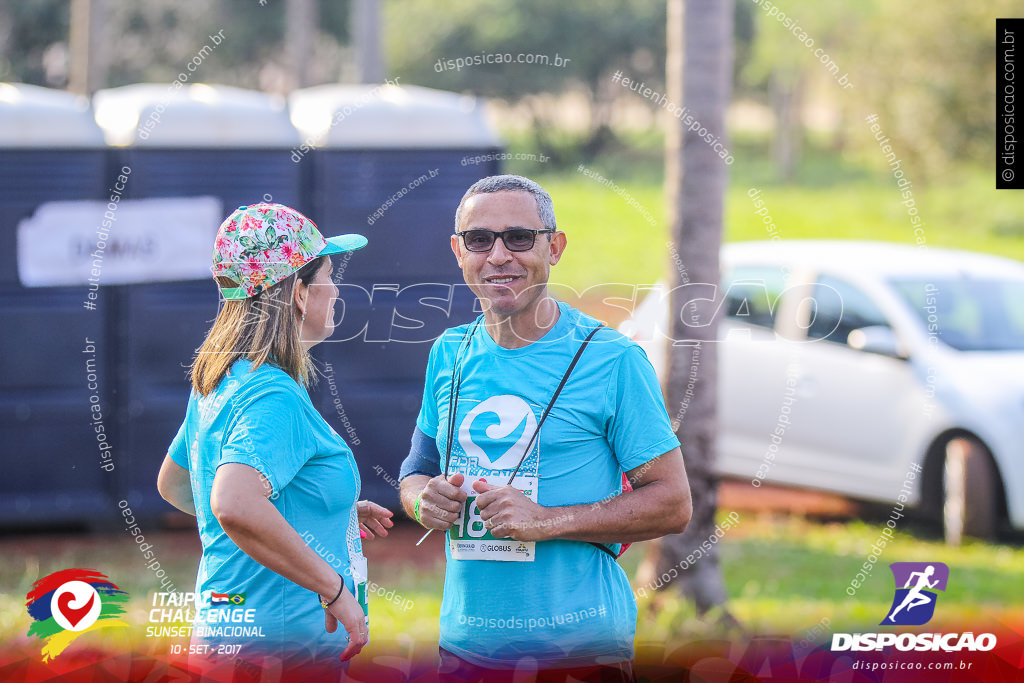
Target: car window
[(968, 313), (839, 308), (752, 294)]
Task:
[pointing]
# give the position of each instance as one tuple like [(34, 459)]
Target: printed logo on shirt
[(492, 437), (211, 404), (515, 420)]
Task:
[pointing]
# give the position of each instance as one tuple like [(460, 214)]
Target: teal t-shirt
[(570, 604), (264, 419)]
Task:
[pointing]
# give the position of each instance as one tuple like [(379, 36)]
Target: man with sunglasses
[(551, 408)]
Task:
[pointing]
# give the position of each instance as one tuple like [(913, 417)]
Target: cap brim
[(234, 293), (343, 243)]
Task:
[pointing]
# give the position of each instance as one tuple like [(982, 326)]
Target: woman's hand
[(348, 611), (373, 518)]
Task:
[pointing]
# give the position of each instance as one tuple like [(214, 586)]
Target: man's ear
[(556, 247), (457, 249)]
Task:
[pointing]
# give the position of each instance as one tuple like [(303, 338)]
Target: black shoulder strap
[(605, 549), (558, 390), (453, 392), (565, 378)]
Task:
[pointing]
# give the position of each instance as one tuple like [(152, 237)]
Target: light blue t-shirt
[(572, 605), (264, 419)]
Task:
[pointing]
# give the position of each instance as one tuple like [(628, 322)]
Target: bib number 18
[(470, 524)]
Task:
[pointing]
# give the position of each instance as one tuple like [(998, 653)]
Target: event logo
[(514, 414), (914, 603), (68, 603)]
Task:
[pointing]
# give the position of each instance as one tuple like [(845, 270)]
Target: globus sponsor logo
[(918, 642)]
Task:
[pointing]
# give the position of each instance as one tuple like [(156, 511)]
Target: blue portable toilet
[(195, 141), (390, 162), (50, 150)]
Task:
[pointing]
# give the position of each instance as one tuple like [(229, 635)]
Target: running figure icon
[(915, 596)]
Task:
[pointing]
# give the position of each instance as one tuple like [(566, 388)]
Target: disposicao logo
[(68, 603), (913, 604)]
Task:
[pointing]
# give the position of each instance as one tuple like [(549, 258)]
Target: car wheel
[(970, 492)]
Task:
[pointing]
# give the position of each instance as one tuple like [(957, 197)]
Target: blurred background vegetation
[(925, 69)]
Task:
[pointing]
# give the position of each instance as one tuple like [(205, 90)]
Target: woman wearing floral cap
[(273, 487)]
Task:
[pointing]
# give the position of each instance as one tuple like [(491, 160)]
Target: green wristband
[(416, 509)]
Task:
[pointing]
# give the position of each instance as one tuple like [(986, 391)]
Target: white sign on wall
[(131, 241)]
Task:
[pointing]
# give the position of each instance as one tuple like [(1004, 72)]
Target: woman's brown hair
[(261, 329)]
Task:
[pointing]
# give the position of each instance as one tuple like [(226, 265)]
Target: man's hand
[(441, 502), (349, 612), (374, 519), (508, 513)]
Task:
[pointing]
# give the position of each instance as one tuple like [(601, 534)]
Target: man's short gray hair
[(511, 183)]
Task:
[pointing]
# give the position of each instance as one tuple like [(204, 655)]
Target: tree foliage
[(598, 37), (926, 69), (153, 41), (929, 74)]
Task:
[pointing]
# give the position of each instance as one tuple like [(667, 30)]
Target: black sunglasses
[(514, 239)]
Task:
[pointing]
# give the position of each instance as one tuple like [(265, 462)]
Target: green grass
[(791, 574), (783, 577)]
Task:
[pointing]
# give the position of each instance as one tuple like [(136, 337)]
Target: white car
[(849, 366)]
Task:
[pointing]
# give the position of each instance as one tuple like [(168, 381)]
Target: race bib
[(358, 567), (469, 539), (357, 564), (492, 439)]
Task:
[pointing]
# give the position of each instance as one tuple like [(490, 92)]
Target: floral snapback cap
[(261, 244)]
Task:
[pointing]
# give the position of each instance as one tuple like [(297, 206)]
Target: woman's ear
[(300, 292)]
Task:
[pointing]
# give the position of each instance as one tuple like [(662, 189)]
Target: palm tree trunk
[(300, 31), (787, 143), (699, 74), (366, 38), (87, 72)]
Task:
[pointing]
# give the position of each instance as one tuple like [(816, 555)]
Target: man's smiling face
[(511, 281)]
